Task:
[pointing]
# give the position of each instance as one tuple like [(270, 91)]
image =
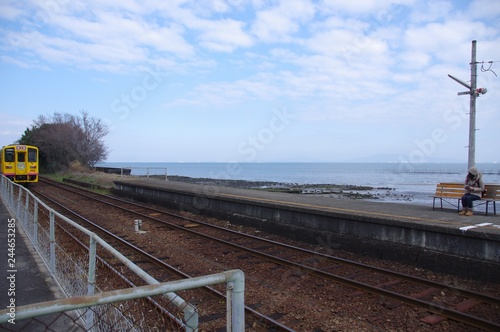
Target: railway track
[(433, 301)]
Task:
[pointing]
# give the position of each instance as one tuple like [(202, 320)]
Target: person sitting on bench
[(474, 188)]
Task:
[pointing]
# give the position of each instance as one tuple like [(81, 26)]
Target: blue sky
[(255, 80)]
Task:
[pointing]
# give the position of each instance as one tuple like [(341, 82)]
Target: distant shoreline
[(332, 190)]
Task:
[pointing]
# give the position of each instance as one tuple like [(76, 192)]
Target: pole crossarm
[(459, 81)]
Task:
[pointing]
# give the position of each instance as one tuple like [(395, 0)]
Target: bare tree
[(89, 145), (64, 138)]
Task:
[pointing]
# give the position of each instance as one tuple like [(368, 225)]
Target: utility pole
[(472, 118), (474, 92)]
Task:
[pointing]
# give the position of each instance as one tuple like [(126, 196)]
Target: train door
[(21, 163), (8, 162), (32, 164)]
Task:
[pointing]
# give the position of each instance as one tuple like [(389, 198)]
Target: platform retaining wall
[(472, 255)]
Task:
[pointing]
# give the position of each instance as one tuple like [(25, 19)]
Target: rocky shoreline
[(330, 190), (336, 191)]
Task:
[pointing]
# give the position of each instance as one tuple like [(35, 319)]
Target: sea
[(391, 182)]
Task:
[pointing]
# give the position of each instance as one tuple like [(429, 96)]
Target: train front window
[(32, 155), (9, 155), (21, 157)]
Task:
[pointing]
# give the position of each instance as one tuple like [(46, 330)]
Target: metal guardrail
[(83, 289), (138, 171)]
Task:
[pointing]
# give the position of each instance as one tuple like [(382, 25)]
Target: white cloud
[(481, 9), (280, 23), (9, 11), (223, 35), (414, 60), (434, 11), (372, 7)]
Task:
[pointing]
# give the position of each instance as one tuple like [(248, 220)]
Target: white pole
[(472, 120)]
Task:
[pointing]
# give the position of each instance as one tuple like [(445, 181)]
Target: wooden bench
[(491, 195), (449, 192)]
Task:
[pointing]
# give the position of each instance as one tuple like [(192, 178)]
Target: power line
[(489, 68)]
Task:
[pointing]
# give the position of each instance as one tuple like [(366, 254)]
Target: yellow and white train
[(20, 163)]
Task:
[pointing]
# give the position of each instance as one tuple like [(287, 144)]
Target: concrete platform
[(26, 281), (437, 239)]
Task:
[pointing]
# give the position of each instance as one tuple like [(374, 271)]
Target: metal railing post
[(229, 306), (89, 315), (35, 223), (18, 206), (52, 242), (235, 297), (26, 208), (11, 200), (191, 318)]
